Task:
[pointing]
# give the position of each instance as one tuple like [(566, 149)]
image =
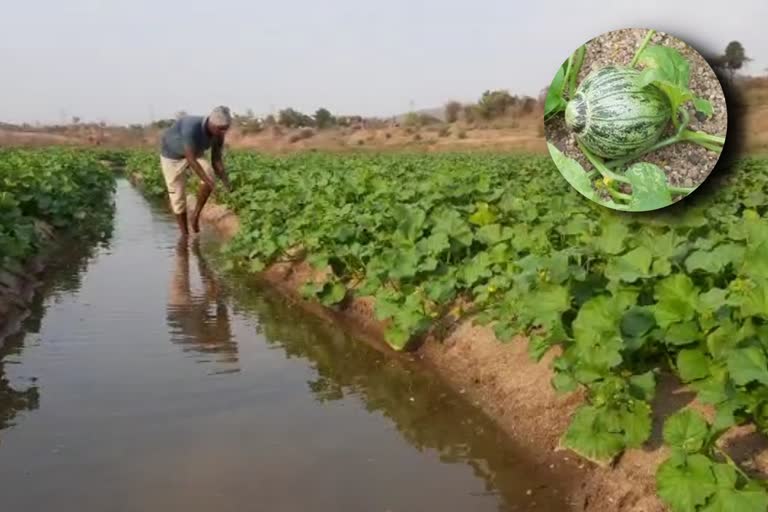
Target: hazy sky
[(128, 60)]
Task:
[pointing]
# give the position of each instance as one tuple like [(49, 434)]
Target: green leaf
[(643, 386), (405, 264), (397, 337), (725, 475), (450, 222), (731, 500), (682, 333), (630, 267), (436, 243), (677, 299), (612, 236), (637, 321), (588, 437), (722, 339), (476, 269), (492, 234), (547, 303), (636, 424), (685, 487), (704, 106), (333, 293), (686, 430), (441, 290), (573, 173), (649, 187), (712, 300), (716, 260), (554, 101), (483, 215), (747, 365), (564, 383), (669, 64), (692, 364), (598, 319), (411, 223)]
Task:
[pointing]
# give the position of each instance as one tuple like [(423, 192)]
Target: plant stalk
[(645, 42)]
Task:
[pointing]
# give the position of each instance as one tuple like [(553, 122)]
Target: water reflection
[(12, 400), (62, 275), (199, 321), (425, 412)]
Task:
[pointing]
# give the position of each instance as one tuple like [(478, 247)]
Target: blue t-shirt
[(186, 131)]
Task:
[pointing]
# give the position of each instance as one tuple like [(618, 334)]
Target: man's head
[(219, 121)]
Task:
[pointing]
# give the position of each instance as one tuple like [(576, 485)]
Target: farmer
[(183, 147)]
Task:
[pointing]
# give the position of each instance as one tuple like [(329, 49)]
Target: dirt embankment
[(516, 392)]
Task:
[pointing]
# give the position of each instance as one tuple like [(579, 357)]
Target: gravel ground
[(686, 164)]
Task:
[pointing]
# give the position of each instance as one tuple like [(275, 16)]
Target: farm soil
[(686, 164), (516, 393)]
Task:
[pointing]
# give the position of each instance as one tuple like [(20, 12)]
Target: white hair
[(220, 116)]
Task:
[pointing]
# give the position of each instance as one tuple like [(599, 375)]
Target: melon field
[(503, 240)]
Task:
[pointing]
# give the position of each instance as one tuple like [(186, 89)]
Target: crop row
[(67, 190)]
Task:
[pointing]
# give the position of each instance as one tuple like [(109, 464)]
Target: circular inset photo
[(635, 119)]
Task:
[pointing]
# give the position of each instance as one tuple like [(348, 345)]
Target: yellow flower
[(491, 289), (608, 181)]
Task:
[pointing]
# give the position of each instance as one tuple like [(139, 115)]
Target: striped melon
[(613, 117)]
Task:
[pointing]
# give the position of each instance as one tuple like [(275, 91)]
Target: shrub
[(471, 113), (452, 111), (461, 134), (324, 119), (291, 118), (444, 132), (494, 104)]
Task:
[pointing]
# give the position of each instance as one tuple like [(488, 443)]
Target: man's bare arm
[(189, 154)]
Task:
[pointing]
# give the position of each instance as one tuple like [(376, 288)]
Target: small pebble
[(529, 492)]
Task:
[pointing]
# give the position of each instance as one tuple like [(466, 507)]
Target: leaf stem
[(645, 42), (619, 195), (731, 462), (681, 190), (598, 163)]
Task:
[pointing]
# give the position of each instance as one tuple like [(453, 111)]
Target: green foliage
[(324, 118), (495, 104), (695, 478), (622, 296), (69, 190), (291, 118), (144, 167), (668, 70)]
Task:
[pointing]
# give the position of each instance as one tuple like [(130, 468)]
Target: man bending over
[(183, 147)]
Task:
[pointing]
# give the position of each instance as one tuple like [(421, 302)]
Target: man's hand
[(195, 165), (225, 181)]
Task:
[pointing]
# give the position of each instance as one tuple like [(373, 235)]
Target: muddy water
[(145, 382)]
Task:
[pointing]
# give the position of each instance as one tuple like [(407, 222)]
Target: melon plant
[(617, 114)]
